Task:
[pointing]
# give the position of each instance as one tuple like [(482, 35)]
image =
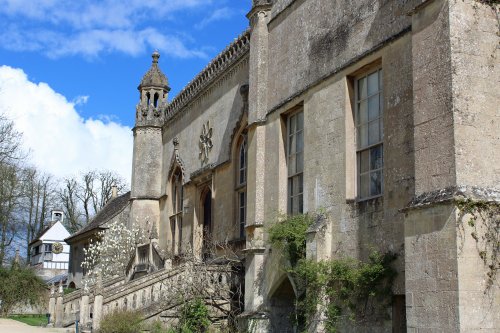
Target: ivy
[(289, 235), (351, 287), (194, 317), (341, 287), (484, 219)]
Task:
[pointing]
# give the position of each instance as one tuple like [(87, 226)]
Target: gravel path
[(14, 326)]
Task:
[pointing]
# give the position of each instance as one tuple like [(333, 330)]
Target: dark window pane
[(364, 186), (300, 141), (291, 165), (373, 107), (362, 114), (373, 132), (362, 88), (300, 121), (362, 136), (300, 162), (364, 161), (293, 124), (376, 158), (373, 83), (301, 204), (300, 180), (376, 182)]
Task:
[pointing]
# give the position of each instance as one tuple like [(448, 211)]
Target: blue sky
[(87, 57)]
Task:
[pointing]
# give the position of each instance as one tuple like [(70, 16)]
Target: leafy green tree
[(19, 286)]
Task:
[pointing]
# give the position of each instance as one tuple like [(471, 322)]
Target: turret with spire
[(147, 156), (153, 95)]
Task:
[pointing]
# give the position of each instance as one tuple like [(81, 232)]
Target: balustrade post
[(84, 310), (52, 305), (98, 300), (59, 307)]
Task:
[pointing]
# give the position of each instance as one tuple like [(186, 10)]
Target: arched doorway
[(282, 308), (207, 224)]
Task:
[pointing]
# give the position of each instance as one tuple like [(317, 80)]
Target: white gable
[(55, 233)]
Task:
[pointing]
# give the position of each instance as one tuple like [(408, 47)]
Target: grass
[(33, 320)]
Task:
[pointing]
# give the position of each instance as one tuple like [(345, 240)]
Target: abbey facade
[(381, 115)]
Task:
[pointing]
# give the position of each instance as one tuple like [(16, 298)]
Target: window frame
[(241, 186), (369, 146), (176, 217), (295, 175)]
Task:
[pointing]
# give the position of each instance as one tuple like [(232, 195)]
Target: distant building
[(49, 251), (117, 209)]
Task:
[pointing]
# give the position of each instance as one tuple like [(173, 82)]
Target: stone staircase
[(156, 294)]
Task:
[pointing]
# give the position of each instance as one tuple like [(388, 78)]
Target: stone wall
[(220, 108)]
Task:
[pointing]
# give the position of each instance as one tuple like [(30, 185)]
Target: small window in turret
[(149, 98), (156, 100)]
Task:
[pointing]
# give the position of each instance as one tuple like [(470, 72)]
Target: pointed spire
[(154, 77)]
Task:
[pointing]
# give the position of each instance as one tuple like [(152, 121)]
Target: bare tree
[(69, 202), (10, 192), (10, 198), (84, 196), (10, 141), (39, 198), (214, 276)]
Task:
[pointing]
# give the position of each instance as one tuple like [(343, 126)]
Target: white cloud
[(80, 100), (92, 43), (217, 15), (89, 28), (61, 142)]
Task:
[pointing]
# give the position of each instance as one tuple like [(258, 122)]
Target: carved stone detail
[(205, 142)]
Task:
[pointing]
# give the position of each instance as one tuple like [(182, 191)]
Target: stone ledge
[(452, 193)]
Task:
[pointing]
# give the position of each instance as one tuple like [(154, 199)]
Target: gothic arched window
[(241, 184), (176, 216)]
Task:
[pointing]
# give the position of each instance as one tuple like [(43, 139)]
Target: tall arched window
[(241, 184), (176, 217)]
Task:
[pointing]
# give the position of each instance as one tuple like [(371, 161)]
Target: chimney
[(114, 192)]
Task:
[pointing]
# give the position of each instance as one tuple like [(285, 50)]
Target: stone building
[(117, 209), (381, 114), (49, 253)]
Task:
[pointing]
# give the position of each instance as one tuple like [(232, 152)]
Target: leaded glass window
[(370, 134)]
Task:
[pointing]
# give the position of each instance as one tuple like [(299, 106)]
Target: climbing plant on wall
[(484, 219), (344, 287)]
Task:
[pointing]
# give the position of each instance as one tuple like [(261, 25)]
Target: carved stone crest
[(205, 142)]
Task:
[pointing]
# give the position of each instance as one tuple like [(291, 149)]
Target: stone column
[(98, 301), (84, 310), (52, 305), (255, 319), (59, 308), (456, 144)]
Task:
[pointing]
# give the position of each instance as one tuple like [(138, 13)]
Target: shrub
[(158, 327), (121, 322), (19, 286), (194, 317)]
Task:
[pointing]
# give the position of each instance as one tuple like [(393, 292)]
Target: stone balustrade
[(151, 294)]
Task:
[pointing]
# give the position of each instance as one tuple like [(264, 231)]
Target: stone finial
[(154, 77), (155, 56)]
